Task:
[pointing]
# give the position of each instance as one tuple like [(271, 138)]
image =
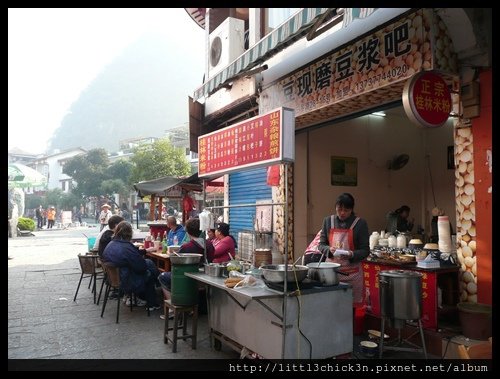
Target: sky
[(54, 54)]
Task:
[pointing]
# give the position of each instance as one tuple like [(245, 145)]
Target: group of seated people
[(139, 275)]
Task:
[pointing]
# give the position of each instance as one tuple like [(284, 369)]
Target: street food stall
[(171, 187), (168, 187), (255, 318)]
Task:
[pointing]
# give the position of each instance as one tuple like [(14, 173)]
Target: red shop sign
[(427, 99), (260, 141)]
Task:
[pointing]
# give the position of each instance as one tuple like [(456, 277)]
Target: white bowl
[(376, 334), (368, 348)]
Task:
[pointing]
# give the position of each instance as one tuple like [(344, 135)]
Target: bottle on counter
[(373, 240), (157, 242), (392, 241), (401, 241)]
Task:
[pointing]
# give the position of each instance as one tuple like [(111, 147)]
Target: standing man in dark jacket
[(137, 275)]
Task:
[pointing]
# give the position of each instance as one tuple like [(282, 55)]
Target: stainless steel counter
[(318, 320)]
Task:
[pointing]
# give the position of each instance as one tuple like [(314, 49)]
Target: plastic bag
[(247, 281)]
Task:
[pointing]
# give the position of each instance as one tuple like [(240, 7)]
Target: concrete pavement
[(44, 322)]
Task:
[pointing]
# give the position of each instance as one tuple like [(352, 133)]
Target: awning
[(198, 15), (284, 35), (160, 186)]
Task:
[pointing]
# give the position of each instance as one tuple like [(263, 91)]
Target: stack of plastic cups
[(444, 242)]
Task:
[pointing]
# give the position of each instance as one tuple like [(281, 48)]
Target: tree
[(89, 171), (53, 197), (112, 186), (159, 159), (70, 200), (120, 169)]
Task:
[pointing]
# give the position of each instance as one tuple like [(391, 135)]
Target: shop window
[(274, 17)]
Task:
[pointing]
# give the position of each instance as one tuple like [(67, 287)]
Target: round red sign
[(427, 99)]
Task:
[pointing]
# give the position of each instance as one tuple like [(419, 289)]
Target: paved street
[(44, 322)]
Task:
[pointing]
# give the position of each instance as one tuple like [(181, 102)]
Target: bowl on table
[(415, 244), (368, 348), (375, 334)]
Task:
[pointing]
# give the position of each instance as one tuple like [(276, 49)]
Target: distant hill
[(141, 93)]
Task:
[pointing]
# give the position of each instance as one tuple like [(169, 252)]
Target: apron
[(343, 239)]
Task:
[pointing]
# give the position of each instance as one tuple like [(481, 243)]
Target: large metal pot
[(400, 295), (324, 272), (185, 259), (276, 273)]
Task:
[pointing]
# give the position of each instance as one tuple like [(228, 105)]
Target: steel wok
[(276, 273)]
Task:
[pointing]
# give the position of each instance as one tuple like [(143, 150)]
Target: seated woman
[(195, 245), (224, 244), (137, 275)]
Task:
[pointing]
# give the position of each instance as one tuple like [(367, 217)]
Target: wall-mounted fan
[(398, 162)]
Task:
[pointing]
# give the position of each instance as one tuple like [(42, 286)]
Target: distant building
[(52, 167), (127, 145), (16, 155), (179, 137)]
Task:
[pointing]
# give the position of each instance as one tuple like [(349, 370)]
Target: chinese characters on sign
[(429, 292), (388, 55), (427, 99), (259, 141)]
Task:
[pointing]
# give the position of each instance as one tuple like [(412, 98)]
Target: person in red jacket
[(224, 244), (187, 205)]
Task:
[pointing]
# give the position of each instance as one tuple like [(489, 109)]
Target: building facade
[(338, 68)]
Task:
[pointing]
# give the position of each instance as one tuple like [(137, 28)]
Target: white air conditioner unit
[(226, 44)]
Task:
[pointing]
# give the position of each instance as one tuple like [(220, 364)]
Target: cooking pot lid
[(400, 273)]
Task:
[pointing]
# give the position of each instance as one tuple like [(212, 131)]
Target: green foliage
[(111, 186), (157, 160), (89, 171), (32, 201), (53, 198), (120, 169), (70, 200), (25, 223)]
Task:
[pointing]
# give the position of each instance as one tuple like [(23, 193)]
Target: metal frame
[(285, 211)]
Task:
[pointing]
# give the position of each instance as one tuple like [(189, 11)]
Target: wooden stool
[(181, 312)]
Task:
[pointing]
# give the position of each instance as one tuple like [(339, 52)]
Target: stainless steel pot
[(214, 269), (400, 295), (276, 273), (324, 272), (185, 259)]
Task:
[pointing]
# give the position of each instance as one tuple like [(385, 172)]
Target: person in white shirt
[(104, 215)]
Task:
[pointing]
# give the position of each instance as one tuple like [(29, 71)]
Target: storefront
[(342, 146)]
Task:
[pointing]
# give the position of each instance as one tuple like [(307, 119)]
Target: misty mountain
[(141, 93)]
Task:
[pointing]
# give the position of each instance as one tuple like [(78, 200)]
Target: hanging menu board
[(260, 141)]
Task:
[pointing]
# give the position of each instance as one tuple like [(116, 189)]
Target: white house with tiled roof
[(52, 166)]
